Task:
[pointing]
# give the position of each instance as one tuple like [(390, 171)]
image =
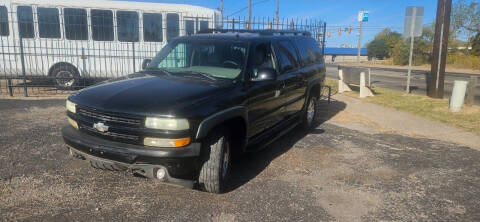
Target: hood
[(146, 94)]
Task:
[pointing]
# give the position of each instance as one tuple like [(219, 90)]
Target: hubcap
[(311, 111), (226, 160), (65, 78)]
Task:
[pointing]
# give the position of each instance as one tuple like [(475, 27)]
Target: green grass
[(435, 109)]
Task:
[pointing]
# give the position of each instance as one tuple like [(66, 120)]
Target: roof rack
[(258, 31)]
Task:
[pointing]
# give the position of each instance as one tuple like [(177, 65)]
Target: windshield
[(210, 59)]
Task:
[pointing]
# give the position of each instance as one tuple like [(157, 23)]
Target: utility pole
[(221, 6), (474, 5), (359, 42), (440, 46), (276, 14), (249, 14)]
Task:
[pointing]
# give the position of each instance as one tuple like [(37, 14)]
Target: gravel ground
[(345, 170)]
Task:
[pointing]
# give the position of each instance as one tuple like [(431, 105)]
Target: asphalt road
[(397, 79), (340, 171)]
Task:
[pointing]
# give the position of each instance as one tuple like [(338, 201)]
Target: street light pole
[(359, 42)]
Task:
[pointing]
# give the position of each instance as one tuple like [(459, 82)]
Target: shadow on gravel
[(248, 166)]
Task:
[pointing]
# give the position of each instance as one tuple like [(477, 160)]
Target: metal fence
[(51, 57)]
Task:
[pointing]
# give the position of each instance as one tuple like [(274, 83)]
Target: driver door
[(265, 102)]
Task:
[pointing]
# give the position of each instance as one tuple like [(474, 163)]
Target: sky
[(336, 13)]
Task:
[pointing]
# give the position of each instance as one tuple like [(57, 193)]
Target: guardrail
[(357, 76)]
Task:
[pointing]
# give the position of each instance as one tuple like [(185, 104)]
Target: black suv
[(202, 99)]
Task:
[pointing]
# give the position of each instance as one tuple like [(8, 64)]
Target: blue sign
[(365, 16)]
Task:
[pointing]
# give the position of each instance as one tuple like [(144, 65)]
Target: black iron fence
[(42, 54)]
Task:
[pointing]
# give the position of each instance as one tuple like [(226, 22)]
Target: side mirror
[(265, 74), (145, 63)]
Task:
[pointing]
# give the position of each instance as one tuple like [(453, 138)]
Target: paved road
[(341, 171), (397, 79)]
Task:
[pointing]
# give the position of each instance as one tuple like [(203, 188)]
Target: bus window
[(189, 27), (25, 21), (4, 31), (76, 26), (173, 26), (152, 27), (102, 25), (203, 25), (48, 23), (127, 26)]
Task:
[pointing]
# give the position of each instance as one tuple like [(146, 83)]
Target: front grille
[(110, 135), (109, 118)]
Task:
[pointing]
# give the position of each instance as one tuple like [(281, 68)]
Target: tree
[(476, 45), (400, 53), (378, 48), (383, 43)]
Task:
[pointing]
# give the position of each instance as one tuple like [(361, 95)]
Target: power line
[(244, 8)]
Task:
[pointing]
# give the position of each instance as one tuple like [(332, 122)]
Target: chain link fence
[(48, 51)]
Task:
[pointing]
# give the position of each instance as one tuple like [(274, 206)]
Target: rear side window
[(25, 21), (309, 50), (48, 23), (102, 25), (173, 26), (4, 31), (287, 57), (76, 26), (189, 27), (203, 25), (127, 25), (152, 27)]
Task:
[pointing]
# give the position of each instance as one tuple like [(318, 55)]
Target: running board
[(263, 143)]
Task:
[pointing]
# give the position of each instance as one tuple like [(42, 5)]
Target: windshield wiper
[(206, 75), (159, 69)]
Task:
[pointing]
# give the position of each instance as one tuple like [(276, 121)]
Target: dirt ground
[(347, 169)]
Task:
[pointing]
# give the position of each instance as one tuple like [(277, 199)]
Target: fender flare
[(213, 120), (311, 84)]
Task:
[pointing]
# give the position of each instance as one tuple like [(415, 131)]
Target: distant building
[(334, 55)]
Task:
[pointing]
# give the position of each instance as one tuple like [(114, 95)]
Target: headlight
[(72, 107), (166, 123), (161, 142)]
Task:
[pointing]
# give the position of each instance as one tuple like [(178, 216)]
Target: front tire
[(216, 158)]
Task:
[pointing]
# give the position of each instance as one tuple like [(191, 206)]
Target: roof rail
[(258, 31)]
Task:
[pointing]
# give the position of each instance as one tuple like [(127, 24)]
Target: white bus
[(72, 40)]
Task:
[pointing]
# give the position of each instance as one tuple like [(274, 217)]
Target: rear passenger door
[(294, 86)]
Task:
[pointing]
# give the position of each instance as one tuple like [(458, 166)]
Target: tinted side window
[(287, 56), (313, 53), (173, 29), (127, 26), (4, 31), (203, 25), (189, 27), (152, 27), (76, 26), (102, 25), (25, 21), (48, 23)]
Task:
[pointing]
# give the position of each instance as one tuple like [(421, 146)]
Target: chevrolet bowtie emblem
[(101, 127)]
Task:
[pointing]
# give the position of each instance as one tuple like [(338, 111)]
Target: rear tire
[(65, 77), (310, 113), (216, 158)]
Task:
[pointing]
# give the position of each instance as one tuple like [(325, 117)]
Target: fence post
[(133, 53), (472, 85), (9, 86), (22, 59)]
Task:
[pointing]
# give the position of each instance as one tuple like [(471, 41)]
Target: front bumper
[(181, 164)]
